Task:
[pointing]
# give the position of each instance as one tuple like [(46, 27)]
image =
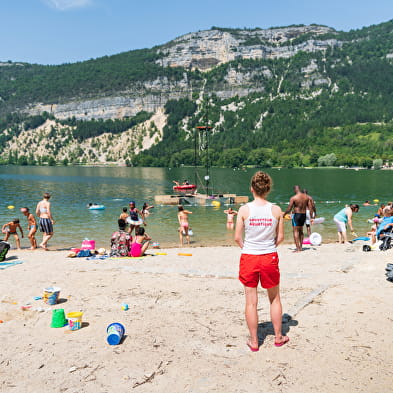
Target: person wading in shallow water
[(298, 204), (46, 220), (263, 227)]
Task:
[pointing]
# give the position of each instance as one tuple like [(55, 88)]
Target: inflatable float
[(319, 220), (315, 239), (185, 187), (97, 207)]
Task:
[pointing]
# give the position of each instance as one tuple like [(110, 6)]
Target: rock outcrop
[(202, 50), (206, 49)]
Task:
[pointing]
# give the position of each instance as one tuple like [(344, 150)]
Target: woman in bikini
[(263, 226), (46, 220), (182, 217), (230, 217)]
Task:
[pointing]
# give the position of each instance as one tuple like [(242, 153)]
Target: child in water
[(230, 217), (141, 243), (10, 229)]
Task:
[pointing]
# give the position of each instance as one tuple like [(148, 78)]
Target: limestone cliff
[(199, 51)]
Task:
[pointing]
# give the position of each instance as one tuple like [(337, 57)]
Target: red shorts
[(255, 268)]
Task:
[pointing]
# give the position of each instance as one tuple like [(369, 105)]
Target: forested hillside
[(295, 96)]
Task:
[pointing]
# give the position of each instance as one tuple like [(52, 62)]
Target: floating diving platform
[(201, 199)]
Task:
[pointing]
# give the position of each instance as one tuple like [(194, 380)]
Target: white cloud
[(63, 5)]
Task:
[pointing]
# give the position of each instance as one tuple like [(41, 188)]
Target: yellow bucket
[(74, 320)]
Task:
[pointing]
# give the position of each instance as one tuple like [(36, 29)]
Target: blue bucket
[(115, 332)]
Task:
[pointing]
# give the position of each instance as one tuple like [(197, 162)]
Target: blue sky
[(64, 31)]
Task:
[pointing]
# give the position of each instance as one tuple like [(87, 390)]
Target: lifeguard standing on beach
[(263, 226)]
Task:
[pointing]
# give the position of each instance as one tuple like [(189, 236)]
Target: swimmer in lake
[(230, 217)]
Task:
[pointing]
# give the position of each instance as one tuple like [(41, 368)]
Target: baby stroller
[(386, 238)]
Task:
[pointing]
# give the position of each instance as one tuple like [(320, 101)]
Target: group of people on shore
[(44, 214), (130, 220)]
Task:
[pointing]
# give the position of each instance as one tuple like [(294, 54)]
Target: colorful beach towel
[(4, 265)]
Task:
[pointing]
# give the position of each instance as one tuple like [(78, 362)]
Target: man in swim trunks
[(298, 205), (46, 220), (31, 226)]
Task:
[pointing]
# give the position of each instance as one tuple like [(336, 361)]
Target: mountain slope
[(280, 96)]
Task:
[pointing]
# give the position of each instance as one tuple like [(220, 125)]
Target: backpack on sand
[(4, 247)]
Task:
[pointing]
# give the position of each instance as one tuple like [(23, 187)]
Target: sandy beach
[(185, 328)]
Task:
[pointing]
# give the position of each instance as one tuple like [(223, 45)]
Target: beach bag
[(4, 247), (88, 244)]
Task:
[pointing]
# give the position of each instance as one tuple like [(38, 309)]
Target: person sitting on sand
[(263, 226), (341, 219), (230, 217), (43, 211), (385, 226), (182, 217), (31, 226), (11, 229), (120, 241), (140, 244)]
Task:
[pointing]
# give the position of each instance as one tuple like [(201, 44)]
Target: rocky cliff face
[(206, 49), (54, 140), (202, 50)]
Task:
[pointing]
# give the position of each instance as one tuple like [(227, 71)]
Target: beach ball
[(216, 203), (376, 200), (315, 239), (11, 207)]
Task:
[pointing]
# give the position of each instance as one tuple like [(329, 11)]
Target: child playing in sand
[(10, 229), (141, 243), (31, 227), (263, 227)]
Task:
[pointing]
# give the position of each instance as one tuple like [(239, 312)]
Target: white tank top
[(260, 230)]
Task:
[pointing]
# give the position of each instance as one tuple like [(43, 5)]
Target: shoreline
[(65, 247)]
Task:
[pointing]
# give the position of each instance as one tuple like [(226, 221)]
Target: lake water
[(72, 188)]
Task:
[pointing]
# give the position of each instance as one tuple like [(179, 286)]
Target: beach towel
[(4, 265)]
